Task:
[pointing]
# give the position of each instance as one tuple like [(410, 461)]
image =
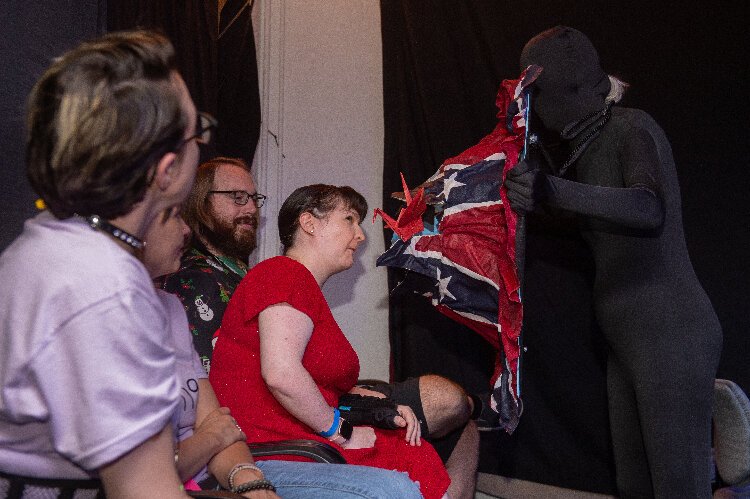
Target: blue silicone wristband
[(335, 426)]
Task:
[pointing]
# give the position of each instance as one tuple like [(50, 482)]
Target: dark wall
[(687, 66), (32, 34)]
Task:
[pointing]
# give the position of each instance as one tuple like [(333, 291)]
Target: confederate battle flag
[(471, 257)]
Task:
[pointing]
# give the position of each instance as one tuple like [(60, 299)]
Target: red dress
[(329, 358)]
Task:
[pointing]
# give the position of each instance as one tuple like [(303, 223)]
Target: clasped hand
[(222, 427), (526, 187), (409, 420)]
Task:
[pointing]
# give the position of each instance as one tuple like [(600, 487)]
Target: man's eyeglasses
[(242, 197), (204, 128)]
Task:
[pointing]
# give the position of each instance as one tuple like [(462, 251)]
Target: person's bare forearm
[(295, 389), (146, 471), (214, 434), (223, 463), (284, 334), (194, 452)]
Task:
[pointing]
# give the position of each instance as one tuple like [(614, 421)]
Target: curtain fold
[(238, 102), (220, 72), (192, 26)]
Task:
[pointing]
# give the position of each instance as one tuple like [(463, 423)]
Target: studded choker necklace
[(98, 223)]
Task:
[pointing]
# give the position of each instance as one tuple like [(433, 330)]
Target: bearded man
[(222, 212)]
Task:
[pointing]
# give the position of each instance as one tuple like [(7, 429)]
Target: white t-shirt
[(189, 370), (189, 366), (87, 368)]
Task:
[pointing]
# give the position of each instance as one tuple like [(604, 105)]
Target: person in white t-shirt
[(87, 371)]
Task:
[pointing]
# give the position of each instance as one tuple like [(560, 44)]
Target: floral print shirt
[(204, 284)]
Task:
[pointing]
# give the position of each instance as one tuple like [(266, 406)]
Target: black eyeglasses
[(204, 127), (242, 197)]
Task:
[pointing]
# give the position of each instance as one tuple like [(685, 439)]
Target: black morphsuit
[(664, 338)]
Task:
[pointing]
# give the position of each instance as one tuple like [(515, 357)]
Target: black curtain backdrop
[(193, 28), (216, 57), (443, 61), (191, 25), (238, 104)]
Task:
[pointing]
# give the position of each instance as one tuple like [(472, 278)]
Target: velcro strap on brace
[(368, 411)]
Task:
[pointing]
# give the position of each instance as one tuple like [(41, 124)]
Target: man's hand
[(526, 187), (408, 419)]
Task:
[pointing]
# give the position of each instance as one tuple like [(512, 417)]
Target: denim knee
[(297, 480)]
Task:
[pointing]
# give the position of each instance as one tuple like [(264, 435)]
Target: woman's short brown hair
[(319, 200), (99, 119)]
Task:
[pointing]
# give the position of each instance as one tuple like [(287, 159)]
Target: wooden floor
[(494, 486)]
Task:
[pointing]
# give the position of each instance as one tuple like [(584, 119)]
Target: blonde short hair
[(99, 119)]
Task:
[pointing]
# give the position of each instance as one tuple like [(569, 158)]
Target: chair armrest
[(312, 449)]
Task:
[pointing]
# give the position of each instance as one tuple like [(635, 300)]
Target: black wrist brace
[(370, 411)]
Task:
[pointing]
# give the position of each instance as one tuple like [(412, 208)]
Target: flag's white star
[(409, 250), (442, 285), (449, 183)]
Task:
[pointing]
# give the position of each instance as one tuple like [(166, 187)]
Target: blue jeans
[(298, 480)]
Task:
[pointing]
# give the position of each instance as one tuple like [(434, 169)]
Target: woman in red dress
[(281, 361)]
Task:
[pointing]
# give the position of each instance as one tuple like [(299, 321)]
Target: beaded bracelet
[(239, 467), (261, 484)]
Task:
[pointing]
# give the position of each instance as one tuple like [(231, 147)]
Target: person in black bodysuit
[(664, 339)]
